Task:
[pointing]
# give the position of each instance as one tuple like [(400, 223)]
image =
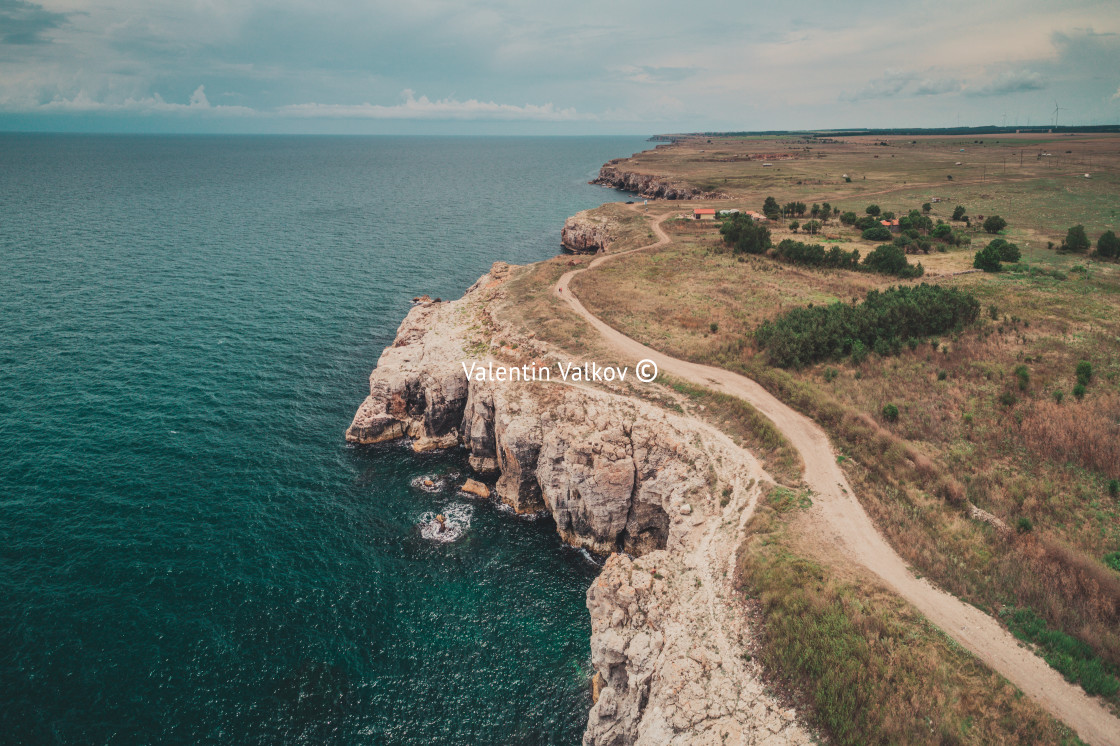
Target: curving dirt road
[(843, 519)]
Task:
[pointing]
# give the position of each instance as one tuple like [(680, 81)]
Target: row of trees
[(774, 211), (882, 323), (1077, 241)]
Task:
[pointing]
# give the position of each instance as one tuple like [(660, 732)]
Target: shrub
[(805, 335), (987, 259), (1024, 376), (847, 179), (815, 255), (926, 207), (813, 227), (877, 233), (1024, 525), (865, 222), (942, 375), (872, 210), (1114, 488), (831, 373), (1084, 372), (888, 259), (1076, 240), (993, 312), (890, 413), (794, 226), (848, 218), (744, 235), (1058, 396), (1008, 252), (994, 224), (713, 327), (1008, 399), (958, 213), (1108, 245), (1079, 390), (770, 208), (1112, 559)]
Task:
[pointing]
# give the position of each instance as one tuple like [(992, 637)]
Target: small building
[(757, 217), (724, 213), (891, 224), (704, 213)]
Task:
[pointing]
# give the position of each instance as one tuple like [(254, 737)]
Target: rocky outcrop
[(619, 477), (649, 186), (586, 233)]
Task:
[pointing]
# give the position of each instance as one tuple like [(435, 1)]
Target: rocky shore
[(649, 186), (587, 233), (621, 478)]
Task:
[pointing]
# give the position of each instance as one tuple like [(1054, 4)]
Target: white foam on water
[(457, 519)]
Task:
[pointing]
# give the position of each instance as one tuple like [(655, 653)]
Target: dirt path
[(842, 520)]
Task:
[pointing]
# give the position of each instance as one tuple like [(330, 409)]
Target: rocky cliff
[(649, 186), (618, 476), (587, 233)]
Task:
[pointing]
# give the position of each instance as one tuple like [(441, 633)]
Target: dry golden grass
[(867, 666)]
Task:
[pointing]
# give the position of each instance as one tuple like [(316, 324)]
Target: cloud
[(82, 102), (890, 84), (654, 74), (1009, 81), (937, 87), (424, 108), (22, 22)]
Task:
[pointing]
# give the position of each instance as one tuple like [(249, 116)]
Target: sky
[(579, 67)]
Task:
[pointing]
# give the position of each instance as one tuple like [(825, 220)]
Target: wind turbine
[(1056, 110)]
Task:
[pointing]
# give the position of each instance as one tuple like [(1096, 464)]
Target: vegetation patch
[(881, 323), (1069, 656)]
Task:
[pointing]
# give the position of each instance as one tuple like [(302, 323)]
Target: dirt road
[(843, 520)]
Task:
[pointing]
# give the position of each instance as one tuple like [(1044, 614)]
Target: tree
[(1008, 252), (848, 218), (865, 222), (826, 212), (794, 226), (1076, 240), (770, 208), (888, 259), (1108, 245), (877, 233), (873, 210), (744, 235), (994, 224), (958, 212), (926, 207), (799, 208), (789, 209), (888, 215), (987, 259), (813, 227), (815, 210)]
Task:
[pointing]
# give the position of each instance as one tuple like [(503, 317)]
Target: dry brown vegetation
[(971, 428), (869, 668)]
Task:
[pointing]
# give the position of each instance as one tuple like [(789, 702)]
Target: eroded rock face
[(617, 475), (649, 186), (586, 234)]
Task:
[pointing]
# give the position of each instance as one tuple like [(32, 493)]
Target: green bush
[(803, 336), (994, 224), (987, 259), (1076, 240), (958, 213), (1084, 372), (744, 235), (1024, 376), (1108, 245), (890, 413), (1008, 252), (876, 233), (848, 218), (1112, 559), (1079, 390), (1114, 487), (872, 210), (888, 259), (1024, 525)]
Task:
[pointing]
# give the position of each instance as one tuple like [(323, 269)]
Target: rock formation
[(617, 475), (649, 186), (586, 233)]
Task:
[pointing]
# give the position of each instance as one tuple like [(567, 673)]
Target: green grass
[(1069, 656)]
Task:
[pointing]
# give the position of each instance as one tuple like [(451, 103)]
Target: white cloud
[(82, 102), (1009, 81), (447, 108)]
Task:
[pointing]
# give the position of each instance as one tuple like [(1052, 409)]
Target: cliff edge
[(620, 477)]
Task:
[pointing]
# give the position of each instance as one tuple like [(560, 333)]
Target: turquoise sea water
[(189, 552)]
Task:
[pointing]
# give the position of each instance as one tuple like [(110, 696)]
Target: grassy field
[(987, 417), (867, 665)]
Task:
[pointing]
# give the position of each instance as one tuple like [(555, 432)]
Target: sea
[(190, 552)]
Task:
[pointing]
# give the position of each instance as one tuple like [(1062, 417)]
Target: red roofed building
[(892, 224), (704, 213)]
